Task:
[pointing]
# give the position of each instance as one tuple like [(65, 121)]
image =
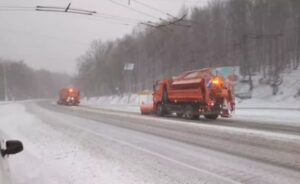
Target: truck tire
[(190, 113), (160, 110), (195, 117), (165, 95), (179, 114), (211, 116)]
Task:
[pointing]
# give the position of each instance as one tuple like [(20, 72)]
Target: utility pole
[(246, 60), (4, 81), (244, 44)]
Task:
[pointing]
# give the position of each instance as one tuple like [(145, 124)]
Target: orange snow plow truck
[(69, 96), (192, 94)]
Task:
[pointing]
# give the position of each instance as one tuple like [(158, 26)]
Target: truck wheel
[(211, 116), (165, 95), (159, 110), (190, 113), (195, 116), (178, 114)]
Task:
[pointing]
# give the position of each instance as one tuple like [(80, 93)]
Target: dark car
[(7, 148)]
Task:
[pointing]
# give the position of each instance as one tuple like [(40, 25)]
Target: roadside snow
[(126, 99), (285, 106), (61, 148), (287, 96), (125, 103), (50, 156), (262, 112)]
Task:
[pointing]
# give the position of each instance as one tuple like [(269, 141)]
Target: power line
[(62, 9), (120, 19), (133, 9), (111, 20), (44, 36), (16, 10), (67, 9), (151, 24), (163, 12), (116, 17), (18, 7), (174, 22), (153, 8)]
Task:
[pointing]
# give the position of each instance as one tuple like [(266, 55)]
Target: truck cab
[(69, 96)]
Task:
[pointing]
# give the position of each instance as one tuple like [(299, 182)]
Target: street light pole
[(4, 81)]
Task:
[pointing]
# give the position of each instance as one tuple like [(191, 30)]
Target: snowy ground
[(262, 97), (255, 109), (264, 115), (50, 155), (108, 147), (112, 148), (285, 106)]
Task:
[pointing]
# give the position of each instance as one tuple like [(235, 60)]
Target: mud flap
[(226, 109)]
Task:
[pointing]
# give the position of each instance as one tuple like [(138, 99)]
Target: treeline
[(258, 35), (20, 82)]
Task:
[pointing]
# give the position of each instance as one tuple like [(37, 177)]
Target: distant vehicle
[(69, 96), (7, 148), (192, 94)]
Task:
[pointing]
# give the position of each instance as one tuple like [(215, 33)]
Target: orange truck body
[(192, 94), (69, 96)]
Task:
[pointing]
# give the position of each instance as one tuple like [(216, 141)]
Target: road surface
[(88, 145)]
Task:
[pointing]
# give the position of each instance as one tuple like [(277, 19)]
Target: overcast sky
[(54, 41)]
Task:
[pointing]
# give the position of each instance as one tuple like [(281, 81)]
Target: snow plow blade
[(147, 108)]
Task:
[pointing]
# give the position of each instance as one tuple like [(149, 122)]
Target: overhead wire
[(133, 9), (110, 20), (153, 8), (119, 19), (43, 35), (101, 15), (15, 10), (163, 12), (175, 23), (17, 7)]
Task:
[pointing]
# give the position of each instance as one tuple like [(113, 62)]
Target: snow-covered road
[(88, 145)]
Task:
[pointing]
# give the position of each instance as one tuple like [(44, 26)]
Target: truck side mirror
[(12, 147)]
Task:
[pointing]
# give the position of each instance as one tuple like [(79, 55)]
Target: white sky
[(54, 41)]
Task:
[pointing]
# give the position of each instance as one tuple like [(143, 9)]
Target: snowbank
[(262, 97), (56, 152), (287, 97), (126, 103), (126, 99)]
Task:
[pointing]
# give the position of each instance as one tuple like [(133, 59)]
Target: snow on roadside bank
[(126, 99), (126, 103), (52, 156), (287, 97), (28, 166), (262, 97), (263, 106), (256, 111)]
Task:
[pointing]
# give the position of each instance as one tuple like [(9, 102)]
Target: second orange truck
[(192, 94)]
